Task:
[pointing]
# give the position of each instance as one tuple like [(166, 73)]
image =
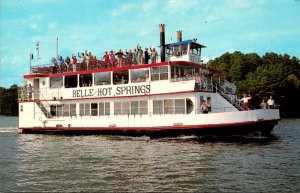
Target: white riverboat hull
[(221, 124)]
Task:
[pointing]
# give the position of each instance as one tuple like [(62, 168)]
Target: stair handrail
[(228, 95)]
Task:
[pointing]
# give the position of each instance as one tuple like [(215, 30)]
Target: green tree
[(271, 74), (8, 100)]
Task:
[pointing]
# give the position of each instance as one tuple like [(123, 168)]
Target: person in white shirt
[(271, 103), (245, 100), (263, 104)]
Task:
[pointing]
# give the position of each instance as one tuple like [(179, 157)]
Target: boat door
[(36, 88)]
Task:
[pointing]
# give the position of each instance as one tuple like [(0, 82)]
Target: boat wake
[(9, 130)]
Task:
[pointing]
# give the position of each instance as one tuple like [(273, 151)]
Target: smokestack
[(179, 36), (162, 42)]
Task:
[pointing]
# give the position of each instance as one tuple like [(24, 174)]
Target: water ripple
[(37, 163)]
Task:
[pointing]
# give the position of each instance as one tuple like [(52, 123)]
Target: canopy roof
[(193, 43)]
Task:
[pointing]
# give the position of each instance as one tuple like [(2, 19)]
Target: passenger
[(95, 63), (197, 81), (68, 63), (112, 58), (61, 64), (29, 91), (271, 103), (204, 108), (147, 78), (245, 101), (123, 81), (90, 83), (74, 63), (139, 54), (82, 60), (120, 55), (129, 57), (135, 56), (106, 59), (153, 55), (146, 56), (208, 105), (89, 59), (116, 80), (54, 66), (263, 104)]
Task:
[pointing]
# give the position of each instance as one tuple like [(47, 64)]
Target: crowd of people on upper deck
[(88, 61)]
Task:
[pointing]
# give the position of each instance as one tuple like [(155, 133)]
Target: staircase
[(227, 94), (43, 108)]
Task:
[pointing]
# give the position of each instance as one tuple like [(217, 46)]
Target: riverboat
[(161, 99)]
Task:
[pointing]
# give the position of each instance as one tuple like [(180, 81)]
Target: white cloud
[(122, 10), (180, 5), (149, 5)]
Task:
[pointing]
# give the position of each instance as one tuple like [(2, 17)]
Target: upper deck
[(159, 78)]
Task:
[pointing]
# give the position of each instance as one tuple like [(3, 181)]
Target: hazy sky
[(248, 26)]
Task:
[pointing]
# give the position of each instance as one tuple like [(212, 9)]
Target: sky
[(248, 26)]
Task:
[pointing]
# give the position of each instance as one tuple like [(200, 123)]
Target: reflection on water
[(35, 163)]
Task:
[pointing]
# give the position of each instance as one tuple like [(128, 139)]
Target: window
[(158, 107), (131, 107), (72, 109), (71, 81), (59, 110), (125, 107), (209, 104), (120, 77), (94, 109), (168, 106), (144, 107), (159, 73), (139, 107), (87, 107), (81, 109), (134, 107), (84, 109), (66, 110), (182, 73), (56, 82), (189, 106), (139, 75), (184, 49), (85, 80), (104, 108), (172, 106), (102, 78), (117, 108), (179, 106), (177, 50)]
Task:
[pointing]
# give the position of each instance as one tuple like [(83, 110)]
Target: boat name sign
[(112, 91)]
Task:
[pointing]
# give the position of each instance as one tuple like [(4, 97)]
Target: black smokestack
[(179, 36), (162, 42)]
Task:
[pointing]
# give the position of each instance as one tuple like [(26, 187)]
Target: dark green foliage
[(271, 74), (8, 100)]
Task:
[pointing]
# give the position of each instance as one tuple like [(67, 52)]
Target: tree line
[(8, 100), (261, 77)]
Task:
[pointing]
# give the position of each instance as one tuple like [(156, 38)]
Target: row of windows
[(166, 106), (107, 78)]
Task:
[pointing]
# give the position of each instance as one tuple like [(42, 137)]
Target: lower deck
[(264, 128)]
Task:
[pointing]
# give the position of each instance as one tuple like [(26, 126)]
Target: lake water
[(35, 163)]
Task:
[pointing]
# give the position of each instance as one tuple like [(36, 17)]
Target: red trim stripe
[(125, 68), (159, 128)]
